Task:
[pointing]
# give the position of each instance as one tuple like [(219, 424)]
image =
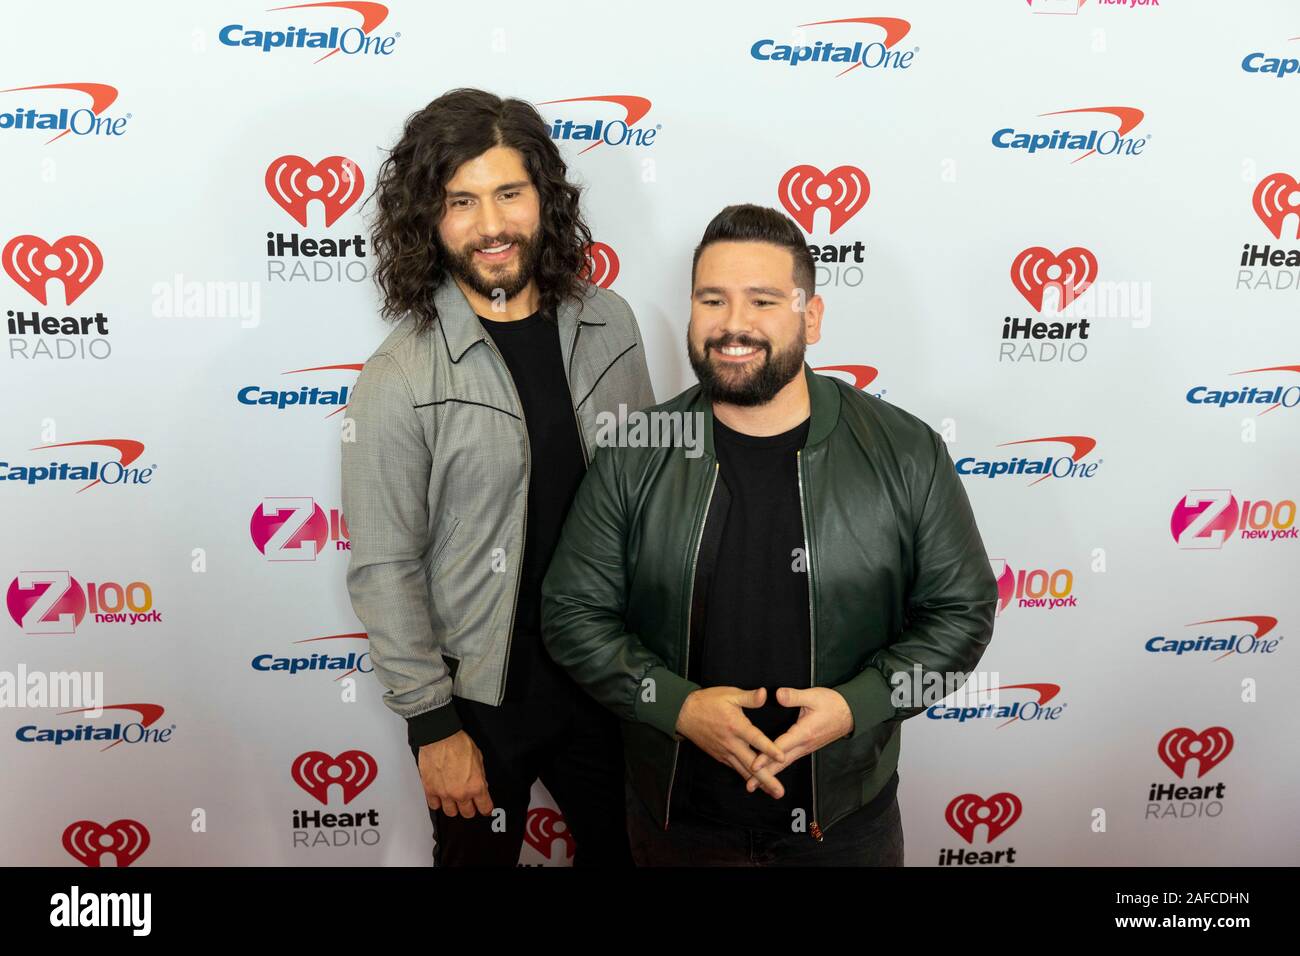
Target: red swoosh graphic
[(372, 14), (636, 107), (334, 637), (1128, 116), (1271, 368), (101, 96), (895, 29), (128, 450), (1081, 444), (1263, 624), (345, 367)]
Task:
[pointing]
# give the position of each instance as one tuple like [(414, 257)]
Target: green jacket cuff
[(868, 696), (659, 703)]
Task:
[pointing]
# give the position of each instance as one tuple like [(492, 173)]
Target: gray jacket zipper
[(523, 534), (690, 607), (815, 830)]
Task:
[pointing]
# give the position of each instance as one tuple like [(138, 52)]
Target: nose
[(490, 220)]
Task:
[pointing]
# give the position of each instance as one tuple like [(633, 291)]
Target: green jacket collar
[(823, 396)]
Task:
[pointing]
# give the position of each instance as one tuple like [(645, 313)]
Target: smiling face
[(491, 223), (749, 323)]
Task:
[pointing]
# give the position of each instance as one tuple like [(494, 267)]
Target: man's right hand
[(713, 719), (451, 770)]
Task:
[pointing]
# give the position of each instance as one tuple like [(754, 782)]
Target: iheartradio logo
[(293, 182), (602, 265), (1276, 197), (352, 770), (1037, 269), (842, 192), (545, 828), (89, 842), (31, 262), (1182, 744), (969, 810)]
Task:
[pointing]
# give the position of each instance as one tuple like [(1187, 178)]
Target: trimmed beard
[(462, 266), (760, 385)]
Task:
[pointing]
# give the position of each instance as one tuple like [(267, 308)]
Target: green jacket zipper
[(815, 830), (686, 653)]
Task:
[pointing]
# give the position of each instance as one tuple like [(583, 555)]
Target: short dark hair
[(750, 223)]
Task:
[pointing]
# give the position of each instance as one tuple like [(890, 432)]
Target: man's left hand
[(824, 717)]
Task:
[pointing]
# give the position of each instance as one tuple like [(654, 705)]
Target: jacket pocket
[(441, 547)]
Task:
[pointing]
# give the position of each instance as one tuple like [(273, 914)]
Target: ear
[(812, 319)]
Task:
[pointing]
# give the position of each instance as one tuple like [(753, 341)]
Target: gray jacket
[(435, 488)]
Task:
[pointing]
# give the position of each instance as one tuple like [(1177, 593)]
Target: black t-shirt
[(531, 349), (756, 626)]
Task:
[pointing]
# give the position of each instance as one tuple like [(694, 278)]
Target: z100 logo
[(296, 529), (350, 40), (1206, 518), (1033, 587), (876, 55), (54, 602)]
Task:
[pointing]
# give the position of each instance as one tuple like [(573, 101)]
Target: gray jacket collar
[(461, 327)]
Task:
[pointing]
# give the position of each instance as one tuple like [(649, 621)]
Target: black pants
[(573, 745), (862, 838)]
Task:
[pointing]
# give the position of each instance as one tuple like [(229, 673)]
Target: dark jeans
[(574, 747), (692, 840)]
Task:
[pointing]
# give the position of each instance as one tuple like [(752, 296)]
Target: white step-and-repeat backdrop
[(1066, 234)]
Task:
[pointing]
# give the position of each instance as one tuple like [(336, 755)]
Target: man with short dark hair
[(474, 420), (830, 547)]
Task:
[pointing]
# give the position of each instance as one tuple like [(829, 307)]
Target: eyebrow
[(504, 187), (751, 289)]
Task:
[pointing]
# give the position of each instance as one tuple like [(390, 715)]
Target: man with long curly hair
[(470, 429)]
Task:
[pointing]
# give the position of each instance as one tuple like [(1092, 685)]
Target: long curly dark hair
[(411, 191)]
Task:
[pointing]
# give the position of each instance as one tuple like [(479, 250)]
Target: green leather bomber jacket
[(898, 582)]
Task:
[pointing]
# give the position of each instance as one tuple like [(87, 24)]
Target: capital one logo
[(544, 829), (73, 260), (293, 182), (618, 132), (88, 842), (967, 811), (1037, 269), (1182, 744), (352, 770), (602, 265), (81, 121), (805, 189), (1276, 197), (294, 529)]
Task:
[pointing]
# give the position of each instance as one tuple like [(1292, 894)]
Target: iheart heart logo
[(805, 189), (544, 827), (339, 186), (1276, 197), (968, 810), (1181, 744), (88, 841), (1036, 269), (73, 260), (315, 771)]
